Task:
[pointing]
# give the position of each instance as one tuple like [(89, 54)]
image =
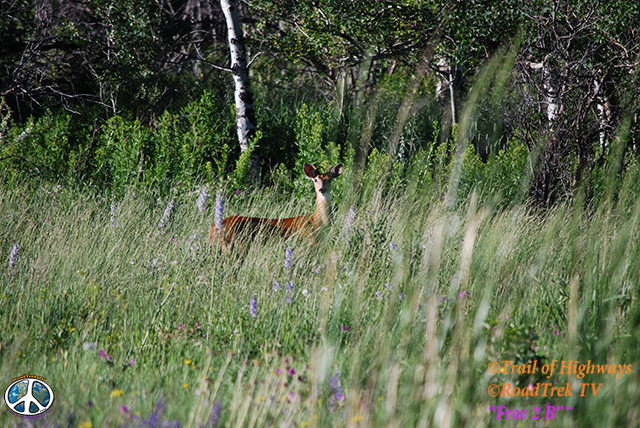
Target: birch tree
[(245, 114)]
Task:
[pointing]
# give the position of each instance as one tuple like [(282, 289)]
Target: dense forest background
[(536, 99)]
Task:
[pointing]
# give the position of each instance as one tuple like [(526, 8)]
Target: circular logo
[(29, 397)]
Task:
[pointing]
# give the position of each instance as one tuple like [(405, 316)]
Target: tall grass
[(391, 321)]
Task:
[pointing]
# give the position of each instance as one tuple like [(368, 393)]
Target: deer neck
[(322, 216)]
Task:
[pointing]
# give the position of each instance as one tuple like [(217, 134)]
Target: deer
[(306, 226)]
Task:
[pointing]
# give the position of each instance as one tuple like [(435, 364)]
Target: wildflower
[(109, 358), (123, 409), (192, 243), (387, 286), (253, 307), (305, 292), (13, 257), (276, 286), (287, 258), (428, 236), (288, 299), (237, 191), (392, 246), (401, 296), (279, 371), (345, 328), (214, 416), (555, 331), (219, 214), (379, 295), (102, 353), (166, 215), (202, 200), (290, 287), (292, 372), (114, 215), (337, 396), (116, 393), (463, 294), (348, 223), (132, 362), (180, 326)]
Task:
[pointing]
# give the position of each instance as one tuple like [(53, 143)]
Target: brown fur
[(237, 227)]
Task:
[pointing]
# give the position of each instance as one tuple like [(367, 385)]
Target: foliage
[(358, 320)]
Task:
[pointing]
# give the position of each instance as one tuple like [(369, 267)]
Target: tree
[(245, 115)]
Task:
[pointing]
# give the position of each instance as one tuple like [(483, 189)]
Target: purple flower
[(276, 286), (13, 256), (387, 286), (290, 287), (401, 296), (337, 395), (345, 328), (292, 372), (108, 358), (287, 258), (102, 353), (180, 326), (392, 246), (114, 215), (214, 417), (123, 409), (463, 294), (166, 215), (219, 214), (379, 295), (253, 307), (132, 362), (237, 191), (288, 300), (202, 200), (279, 371)]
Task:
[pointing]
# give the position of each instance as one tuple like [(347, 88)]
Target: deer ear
[(337, 170), (310, 171)]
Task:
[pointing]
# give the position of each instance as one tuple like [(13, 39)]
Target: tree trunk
[(245, 115)]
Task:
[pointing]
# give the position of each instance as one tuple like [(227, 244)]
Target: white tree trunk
[(245, 115)]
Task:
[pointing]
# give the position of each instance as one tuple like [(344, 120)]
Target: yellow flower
[(116, 393), (357, 418), (305, 423), (86, 424), (185, 385), (187, 362)]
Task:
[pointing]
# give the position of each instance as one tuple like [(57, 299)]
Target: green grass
[(479, 284)]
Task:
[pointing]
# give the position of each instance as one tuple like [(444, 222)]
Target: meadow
[(392, 320)]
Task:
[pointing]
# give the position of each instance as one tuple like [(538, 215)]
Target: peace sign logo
[(29, 397)]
